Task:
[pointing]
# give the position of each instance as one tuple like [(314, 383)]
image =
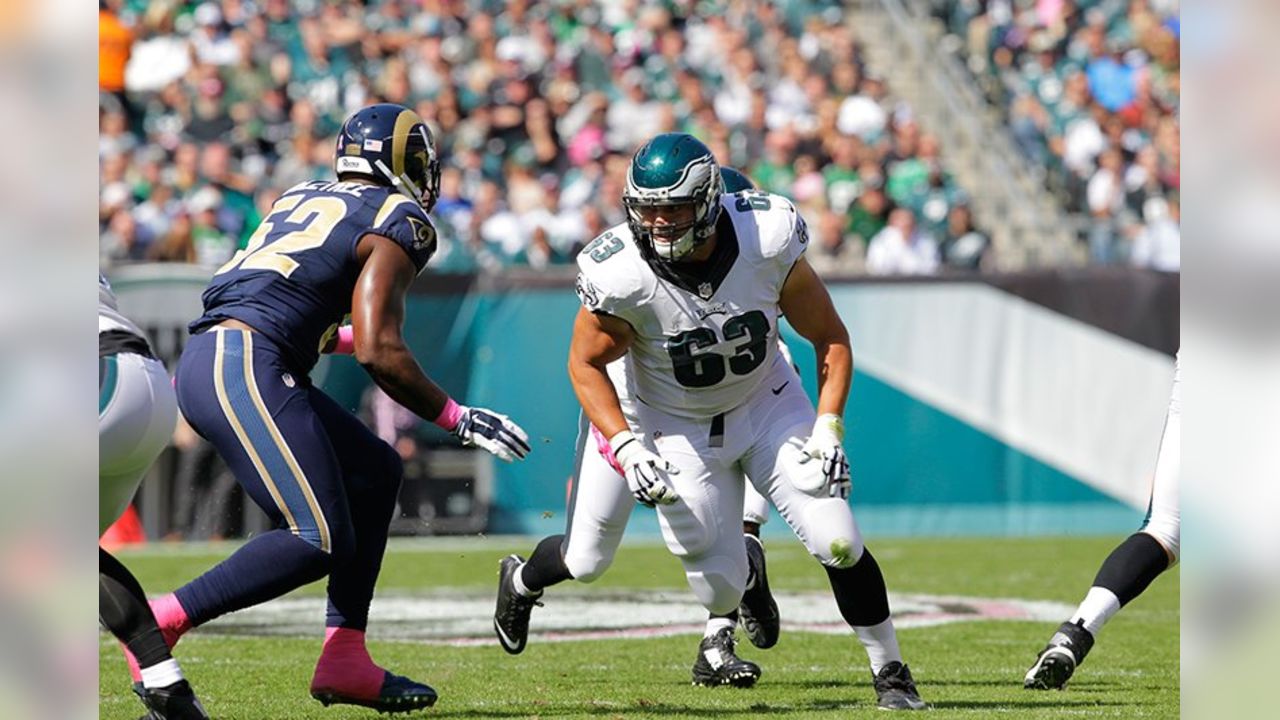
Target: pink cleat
[(346, 675)]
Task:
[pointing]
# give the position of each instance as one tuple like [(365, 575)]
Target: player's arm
[(377, 319), (599, 339), (807, 305)]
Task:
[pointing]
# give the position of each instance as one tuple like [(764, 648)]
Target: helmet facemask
[(420, 179), (672, 223)]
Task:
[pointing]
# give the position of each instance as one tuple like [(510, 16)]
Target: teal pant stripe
[(108, 378)]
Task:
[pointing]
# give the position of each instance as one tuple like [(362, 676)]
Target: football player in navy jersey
[(325, 251)]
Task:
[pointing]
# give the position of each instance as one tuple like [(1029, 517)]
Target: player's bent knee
[(587, 567), (717, 582), (831, 535), (1167, 532), (839, 552)]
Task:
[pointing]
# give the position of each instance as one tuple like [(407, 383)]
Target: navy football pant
[(326, 481)]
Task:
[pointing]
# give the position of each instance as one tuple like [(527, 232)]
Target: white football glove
[(826, 444), (492, 431), (643, 470)]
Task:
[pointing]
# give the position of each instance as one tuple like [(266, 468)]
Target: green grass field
[(968, 669)]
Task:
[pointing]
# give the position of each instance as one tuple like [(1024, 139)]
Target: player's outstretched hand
[(644, 470), (826, 445), (492, 431)]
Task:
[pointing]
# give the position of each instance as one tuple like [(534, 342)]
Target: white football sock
[(1098, 607), (715, 624), (881, 642), (517, 580), (162, 674)]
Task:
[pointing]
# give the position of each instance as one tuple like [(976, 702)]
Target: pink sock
[(345, 666), (173, 622)]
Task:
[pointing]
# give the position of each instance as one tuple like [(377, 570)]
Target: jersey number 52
[(701, 370), (270, 250)]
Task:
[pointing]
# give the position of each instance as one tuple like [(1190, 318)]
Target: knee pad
[(717, 581), (586, 566), (830, 533), (1167, 531)]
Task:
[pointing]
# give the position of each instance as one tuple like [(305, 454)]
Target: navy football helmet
[(391, 145)]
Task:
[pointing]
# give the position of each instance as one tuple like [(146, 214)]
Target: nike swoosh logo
[(506, 641), (778, 389)]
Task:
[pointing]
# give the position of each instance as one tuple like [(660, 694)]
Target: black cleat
[(511, 617), (1058, 660), (398, 694), (758, 611), (895, 690), (171, 702), (718, 665)]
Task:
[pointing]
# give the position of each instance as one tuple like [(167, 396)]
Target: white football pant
[(759, 440), (1164, 521), (137, 412)]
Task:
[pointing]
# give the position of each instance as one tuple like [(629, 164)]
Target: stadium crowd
[(210, 110), (1091, 92)]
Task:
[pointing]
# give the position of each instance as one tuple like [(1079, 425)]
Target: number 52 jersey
[(703, 343), (294, 279)]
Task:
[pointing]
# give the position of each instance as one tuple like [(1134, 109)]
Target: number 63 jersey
[(294, 279), (705, 342)]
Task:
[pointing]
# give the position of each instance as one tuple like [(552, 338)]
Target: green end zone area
[(970, 669)]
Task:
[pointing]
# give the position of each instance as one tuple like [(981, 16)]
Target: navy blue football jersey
[(294, 279)]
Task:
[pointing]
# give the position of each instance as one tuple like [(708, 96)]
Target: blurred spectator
[(901, 248), (115, 42), (870, 212), (963, 247), (1106, 201), (537, 108), (1080, 79), (1159, 244), (831, 253)]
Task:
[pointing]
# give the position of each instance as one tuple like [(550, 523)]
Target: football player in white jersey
[(689, 291), (137, 412), (600, 506), (1130, 568)]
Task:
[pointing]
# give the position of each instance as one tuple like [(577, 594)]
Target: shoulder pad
[(404, 221), (780, 232), (612, 276)]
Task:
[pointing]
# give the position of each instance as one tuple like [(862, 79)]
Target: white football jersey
[(699, 350), (109, 316)]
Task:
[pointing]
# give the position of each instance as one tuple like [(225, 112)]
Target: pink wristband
[(606, 450), (346, 344), (450, 415)]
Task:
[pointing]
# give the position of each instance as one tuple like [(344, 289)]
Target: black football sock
[(860, 592), (546, 565), (123, 609), (1131, 567)]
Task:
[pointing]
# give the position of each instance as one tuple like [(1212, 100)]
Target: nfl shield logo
[(705, 291)]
